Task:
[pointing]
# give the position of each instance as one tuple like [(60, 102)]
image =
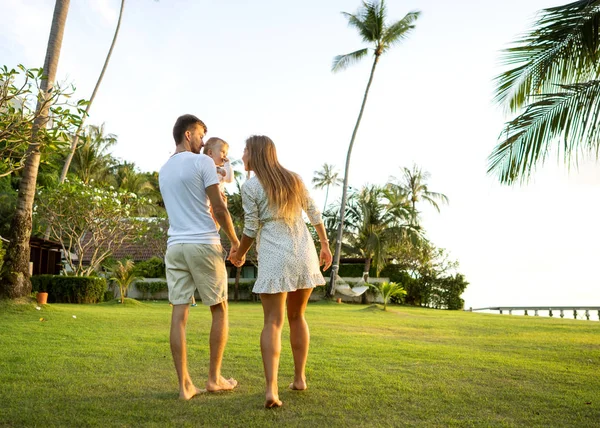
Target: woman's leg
[(299, 334), (270, 343)]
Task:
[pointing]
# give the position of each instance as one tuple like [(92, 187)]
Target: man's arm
[(222, 214)]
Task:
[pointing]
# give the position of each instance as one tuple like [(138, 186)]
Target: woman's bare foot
[(189, 391), (222, 385), (298, 385)]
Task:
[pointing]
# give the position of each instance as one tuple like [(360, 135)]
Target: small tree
[(89, 222), (389, 290), (123, 274)]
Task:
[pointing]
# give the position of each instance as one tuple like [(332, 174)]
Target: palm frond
[(358, 21), (571, 117), (341, 62), (562, 48), (400, 30)]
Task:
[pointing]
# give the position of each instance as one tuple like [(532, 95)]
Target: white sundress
[(287, 257)]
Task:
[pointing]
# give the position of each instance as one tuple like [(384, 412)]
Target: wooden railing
[(550, 310)]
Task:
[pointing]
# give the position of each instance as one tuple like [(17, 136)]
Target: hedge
[(70, 289), (151, 268), (151, 287)]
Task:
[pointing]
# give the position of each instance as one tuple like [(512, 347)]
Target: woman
[(288, 267)]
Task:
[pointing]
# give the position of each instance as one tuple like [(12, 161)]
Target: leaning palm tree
[(553, 83), (324, 179), (69, 158), (413, 184), (371, 25), (15, 282)]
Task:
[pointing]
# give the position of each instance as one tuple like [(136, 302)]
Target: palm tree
[(123, 274), (389, 290), (553, 82), (92, 160), (377, 226), (16, 281), (371, 25), (414, 186), (325, 178), (69, 158)]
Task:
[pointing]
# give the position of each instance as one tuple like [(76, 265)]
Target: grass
[(110, 365)]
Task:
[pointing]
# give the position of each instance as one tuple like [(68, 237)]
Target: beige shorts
[(193, 267)]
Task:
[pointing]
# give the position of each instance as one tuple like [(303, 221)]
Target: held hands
[(234, 257), (325, 257)]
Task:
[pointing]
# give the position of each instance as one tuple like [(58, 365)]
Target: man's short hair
[(183, 124), (213, 143)]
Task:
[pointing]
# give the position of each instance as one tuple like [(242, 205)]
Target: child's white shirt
[(225, 175)]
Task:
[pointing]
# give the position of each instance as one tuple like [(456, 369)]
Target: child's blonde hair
[(214, 143)]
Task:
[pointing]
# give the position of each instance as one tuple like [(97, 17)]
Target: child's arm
[(228, 172)]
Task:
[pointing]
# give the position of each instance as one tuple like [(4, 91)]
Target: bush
[(108, 296), (149, 288), (351, 271), (151, 268), (70, 289), (2, 252)]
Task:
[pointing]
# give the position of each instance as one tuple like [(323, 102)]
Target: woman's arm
[(325, 257)]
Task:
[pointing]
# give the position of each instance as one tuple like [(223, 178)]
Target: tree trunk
[(367, 269), (326, 196), (338, 245), (16, 281), (67, 164), (366, 279), (236, 289)]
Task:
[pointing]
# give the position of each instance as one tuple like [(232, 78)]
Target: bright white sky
[(263, 67)]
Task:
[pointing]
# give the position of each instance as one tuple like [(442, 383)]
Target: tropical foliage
[(389, 290), (122, 273), (325, 178), (553, 83), (370, 22), (89, 222)]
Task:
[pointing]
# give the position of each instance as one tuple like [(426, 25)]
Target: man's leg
[(270, 344), (219, 332), (179, 351)]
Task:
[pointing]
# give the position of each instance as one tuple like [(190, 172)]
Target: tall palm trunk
[(326, 196), (338, 244), (16, 281), (67, 164), (367, 269), (366, 278)]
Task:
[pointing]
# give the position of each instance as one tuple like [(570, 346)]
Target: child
[(217, 149)]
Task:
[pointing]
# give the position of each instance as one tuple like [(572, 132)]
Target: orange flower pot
[(42, 298)]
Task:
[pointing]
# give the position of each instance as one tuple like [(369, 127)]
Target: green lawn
[(111, 366)]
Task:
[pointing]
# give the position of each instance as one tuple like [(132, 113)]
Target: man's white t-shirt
[(183, 181)]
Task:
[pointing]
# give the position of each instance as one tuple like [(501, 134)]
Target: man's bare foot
[(222, 385), (189, 392), (298, 385), (272, 401)]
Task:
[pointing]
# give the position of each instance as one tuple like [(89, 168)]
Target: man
[(194, 258)]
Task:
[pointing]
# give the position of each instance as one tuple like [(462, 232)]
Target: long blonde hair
[(285, 190)]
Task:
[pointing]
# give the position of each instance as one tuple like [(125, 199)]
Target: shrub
[(149, 288), (151, 268), (2, 252), (108, 296), (70, 289)]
